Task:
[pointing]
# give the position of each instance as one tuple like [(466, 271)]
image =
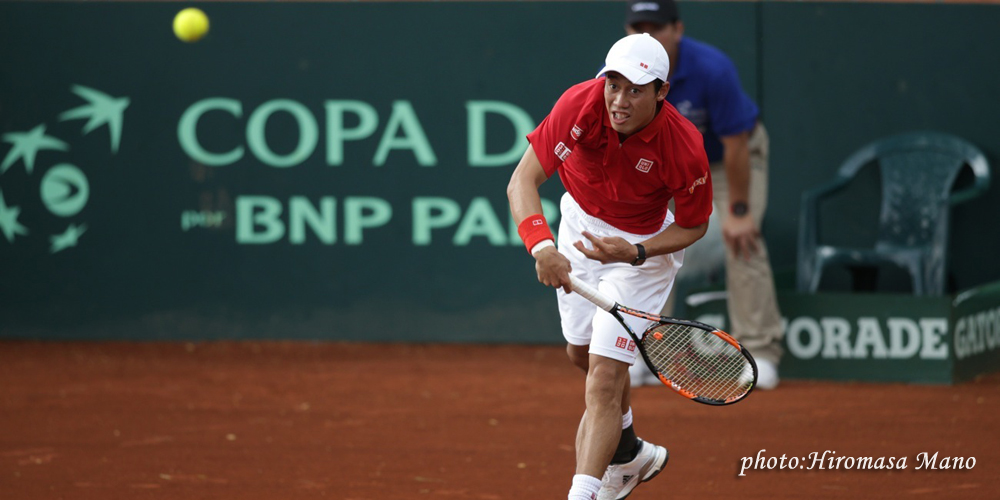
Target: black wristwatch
[(641, 257), (739, 209)]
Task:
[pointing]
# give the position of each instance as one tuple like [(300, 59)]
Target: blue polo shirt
[(706, 89)]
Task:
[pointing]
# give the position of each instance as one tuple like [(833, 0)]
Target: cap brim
[(636, 76)]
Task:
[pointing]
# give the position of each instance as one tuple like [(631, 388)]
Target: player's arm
[(674, 238), (615, 249), (739, 230), (525, 203)]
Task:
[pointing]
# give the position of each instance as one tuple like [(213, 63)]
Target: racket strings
[(696, 373), (698, 361)]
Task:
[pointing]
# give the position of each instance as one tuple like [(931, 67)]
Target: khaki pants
[(753, 306)]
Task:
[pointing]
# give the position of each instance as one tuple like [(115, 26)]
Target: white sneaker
[(767, 374), (620, 479), (640, 375)]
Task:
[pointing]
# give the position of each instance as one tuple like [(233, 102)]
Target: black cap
[(651, 11)]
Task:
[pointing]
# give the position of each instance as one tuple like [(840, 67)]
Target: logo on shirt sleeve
[(698, 182), (562, 151), (644, 165), (576, 133)]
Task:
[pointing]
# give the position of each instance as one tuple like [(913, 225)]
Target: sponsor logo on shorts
[(698, 182), (576, 133), (644, 165), (562, 151), (624, 343)]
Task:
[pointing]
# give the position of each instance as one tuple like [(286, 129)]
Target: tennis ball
[(190, 24)]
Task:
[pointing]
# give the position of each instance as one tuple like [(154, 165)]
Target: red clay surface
[(286, 421)]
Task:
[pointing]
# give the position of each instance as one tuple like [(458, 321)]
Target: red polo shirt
[(626, 184)]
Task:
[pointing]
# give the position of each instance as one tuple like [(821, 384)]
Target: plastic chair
[(918, 171)]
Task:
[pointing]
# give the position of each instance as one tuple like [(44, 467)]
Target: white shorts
[(644, 287)]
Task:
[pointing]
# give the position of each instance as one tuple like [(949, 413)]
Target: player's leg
[(600, 430), (648, 286), (579, 355), (600, 435), (576, 316), (596, 437), (628, 443), (633, 461), (577, 313)]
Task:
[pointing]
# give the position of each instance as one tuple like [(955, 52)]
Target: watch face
[(738, 209)]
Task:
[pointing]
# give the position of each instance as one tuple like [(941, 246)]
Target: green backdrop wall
[(337, 170)]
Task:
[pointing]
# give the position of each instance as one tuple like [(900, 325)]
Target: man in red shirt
[(622, 153)]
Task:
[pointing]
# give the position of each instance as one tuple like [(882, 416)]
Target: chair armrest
[(980, 185), (809, 229)]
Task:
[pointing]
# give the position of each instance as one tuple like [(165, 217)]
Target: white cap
[(639, 57)]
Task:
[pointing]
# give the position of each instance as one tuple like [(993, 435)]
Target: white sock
[(627, 418), (584, 487)]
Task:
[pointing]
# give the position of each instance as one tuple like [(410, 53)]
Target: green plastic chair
[(918, 172)]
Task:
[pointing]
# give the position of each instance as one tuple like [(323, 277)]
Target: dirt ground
[(282, 421)]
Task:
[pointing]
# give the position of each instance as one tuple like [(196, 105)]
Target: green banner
[(976, 327), (880, 337), (867, 337), (272, 183), (875, 337)]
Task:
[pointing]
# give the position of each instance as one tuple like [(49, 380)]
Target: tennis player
[(622, 153)]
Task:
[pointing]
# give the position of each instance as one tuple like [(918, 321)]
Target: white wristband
[(540, 245)]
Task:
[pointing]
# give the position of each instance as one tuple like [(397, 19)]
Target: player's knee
[(579, 355), (605, 383)]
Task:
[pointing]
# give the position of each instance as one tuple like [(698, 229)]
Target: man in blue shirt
[(705, 88)]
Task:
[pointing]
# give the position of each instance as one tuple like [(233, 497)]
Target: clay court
[(254, 420)]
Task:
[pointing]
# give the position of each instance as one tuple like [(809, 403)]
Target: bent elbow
[(698, 232), (703, 230), (512, 187)]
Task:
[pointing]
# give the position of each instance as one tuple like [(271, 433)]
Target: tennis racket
[(698, 361)]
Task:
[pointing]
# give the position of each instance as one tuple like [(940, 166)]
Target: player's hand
[(740, 235), (607, 249), (553, 269)]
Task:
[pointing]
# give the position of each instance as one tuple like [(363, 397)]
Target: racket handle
[(590, 293)]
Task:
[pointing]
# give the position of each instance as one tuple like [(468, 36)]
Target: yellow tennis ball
[(190, 24)]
